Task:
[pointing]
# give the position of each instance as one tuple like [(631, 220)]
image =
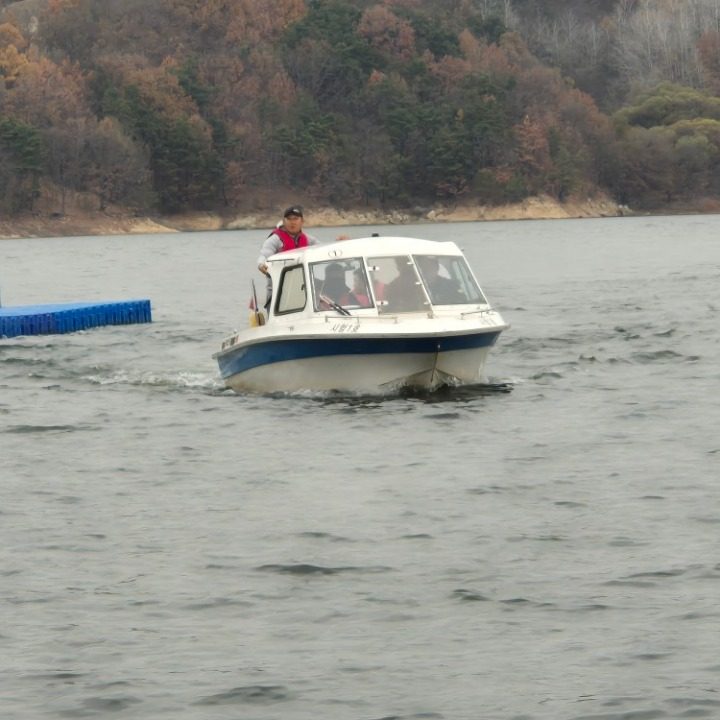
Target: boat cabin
[(372, 276)]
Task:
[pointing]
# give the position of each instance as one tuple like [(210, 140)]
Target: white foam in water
[(181, 379)]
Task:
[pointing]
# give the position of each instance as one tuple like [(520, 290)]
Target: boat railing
[(395, 318), (364, 318), (479, 311)]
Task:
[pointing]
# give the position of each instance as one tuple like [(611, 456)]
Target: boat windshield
[(397, 285), (340, 282), (448, 280)]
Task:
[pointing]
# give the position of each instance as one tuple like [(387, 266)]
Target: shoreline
[(81, 224)]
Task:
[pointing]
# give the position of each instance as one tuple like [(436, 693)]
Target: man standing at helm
[(288, 235)]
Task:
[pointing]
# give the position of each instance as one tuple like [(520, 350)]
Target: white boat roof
[(368, 246)]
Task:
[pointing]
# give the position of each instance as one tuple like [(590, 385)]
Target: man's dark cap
[(293, 210)]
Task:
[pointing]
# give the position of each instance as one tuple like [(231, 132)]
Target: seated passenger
[(359, 295), (334, 286), (404, 293), (442, 290)]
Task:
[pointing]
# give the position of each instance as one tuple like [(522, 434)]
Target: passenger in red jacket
[(359, 295), (288, 235)]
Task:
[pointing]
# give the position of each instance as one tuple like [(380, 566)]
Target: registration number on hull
[(344, 327)]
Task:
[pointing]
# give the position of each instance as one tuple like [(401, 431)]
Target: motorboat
[(369, 315)]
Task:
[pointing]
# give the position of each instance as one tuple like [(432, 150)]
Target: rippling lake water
[(171, 550)]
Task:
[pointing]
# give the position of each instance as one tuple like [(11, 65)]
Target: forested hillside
[(174, 105)]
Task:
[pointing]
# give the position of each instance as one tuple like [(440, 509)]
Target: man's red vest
[(288, 241)]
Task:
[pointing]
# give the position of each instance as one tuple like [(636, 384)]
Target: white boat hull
[(359, 374), (357, 365)]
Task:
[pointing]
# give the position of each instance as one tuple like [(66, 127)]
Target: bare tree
[(657, 41)]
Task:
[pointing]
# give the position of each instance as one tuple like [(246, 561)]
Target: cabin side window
[(292, 295)]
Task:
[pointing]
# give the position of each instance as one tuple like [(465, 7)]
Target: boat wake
[(181, 380), (444, 393), (459, 392)]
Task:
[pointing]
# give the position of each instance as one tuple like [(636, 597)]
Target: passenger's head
[(404, 268), (293, 219), (334, 283), (334, 271)]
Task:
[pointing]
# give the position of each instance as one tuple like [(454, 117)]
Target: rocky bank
[(76, 223)]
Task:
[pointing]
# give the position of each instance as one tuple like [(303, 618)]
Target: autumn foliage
[(187, 104)]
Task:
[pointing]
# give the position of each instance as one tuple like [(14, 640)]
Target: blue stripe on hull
[(273, 351)]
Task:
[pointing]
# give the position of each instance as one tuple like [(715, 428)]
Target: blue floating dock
[(70, 317)]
